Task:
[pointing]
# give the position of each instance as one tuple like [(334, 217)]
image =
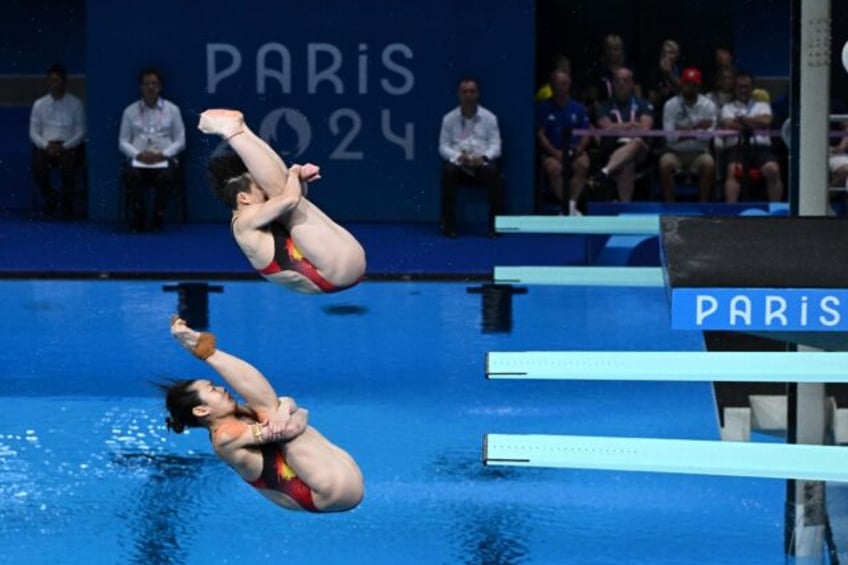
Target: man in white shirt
[(470, 144), (747, 116), (152, 137), (57, 131), (688, 111)]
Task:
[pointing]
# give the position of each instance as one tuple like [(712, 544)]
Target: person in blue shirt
[(563, 153)]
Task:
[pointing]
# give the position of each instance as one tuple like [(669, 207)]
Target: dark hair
[(150, 71), (58, 69), (743, 74), (226, 175), (180, 400), (468, 78)]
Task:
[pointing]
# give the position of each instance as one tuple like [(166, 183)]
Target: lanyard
[(633, 106), (152, 119)]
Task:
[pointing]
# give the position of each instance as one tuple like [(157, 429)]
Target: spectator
[(722, 59), (624, 111), (747, 115), (688, 111), (722, 91), (556, 118), (665, 81), (57, 132), (838, 161), (152, 138), (721, 94), (601, 79), (546, 91), (470, 144)]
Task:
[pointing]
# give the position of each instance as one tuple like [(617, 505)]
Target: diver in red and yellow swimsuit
[(278, 476), (267, 441), (318, 255)]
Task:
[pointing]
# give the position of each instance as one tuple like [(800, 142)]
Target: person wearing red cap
[(688, 111)]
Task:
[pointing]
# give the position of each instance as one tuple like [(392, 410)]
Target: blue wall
[(36, 33), (372, 124), (762, 35)]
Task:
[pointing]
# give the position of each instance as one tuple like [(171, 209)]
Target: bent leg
[(705, 167), (731, 184), (332, 474), (625, 182), (579, 173), (489, 176), (267, 168), (133, 179), (337, 255), (164, 182), (41, 174), (633, 150), (451, 177), (553, 173), (774, 185), (669, 164), (68, 165)]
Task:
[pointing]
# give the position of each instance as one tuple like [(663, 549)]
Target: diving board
[(581, 276), (700, 457), (605, 225), (730, 366)]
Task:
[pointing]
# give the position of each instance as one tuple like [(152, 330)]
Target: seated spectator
[(665, 79), (746, 115), (838, 161), (57, 132), (601, 78), (688, 111), (470, 144), (546, 91), (152, 137), (556, 118), (722, 59), (722, 91), (721, 94), (624, 111)]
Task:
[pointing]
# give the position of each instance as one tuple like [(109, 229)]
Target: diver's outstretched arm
[(245, 379)]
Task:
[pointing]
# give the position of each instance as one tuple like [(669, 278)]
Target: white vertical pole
[(814, 127), (814, 120)]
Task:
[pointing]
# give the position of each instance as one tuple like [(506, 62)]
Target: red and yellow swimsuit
[(277, 475), (287, 257)]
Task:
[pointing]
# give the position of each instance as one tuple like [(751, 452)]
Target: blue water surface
[(392, 372)]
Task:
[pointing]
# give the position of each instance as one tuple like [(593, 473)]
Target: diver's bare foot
[(225, 123)]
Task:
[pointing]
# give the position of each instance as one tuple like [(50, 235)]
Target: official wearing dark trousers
[(486, 175), (469, 145), (68, 161), (162, 181)]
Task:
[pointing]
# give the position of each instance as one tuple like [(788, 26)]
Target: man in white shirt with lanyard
[(747, 115), (470, 144), (688, 111), (152, 137), (57, 132)]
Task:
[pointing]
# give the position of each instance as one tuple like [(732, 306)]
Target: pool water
[(392, 372)]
